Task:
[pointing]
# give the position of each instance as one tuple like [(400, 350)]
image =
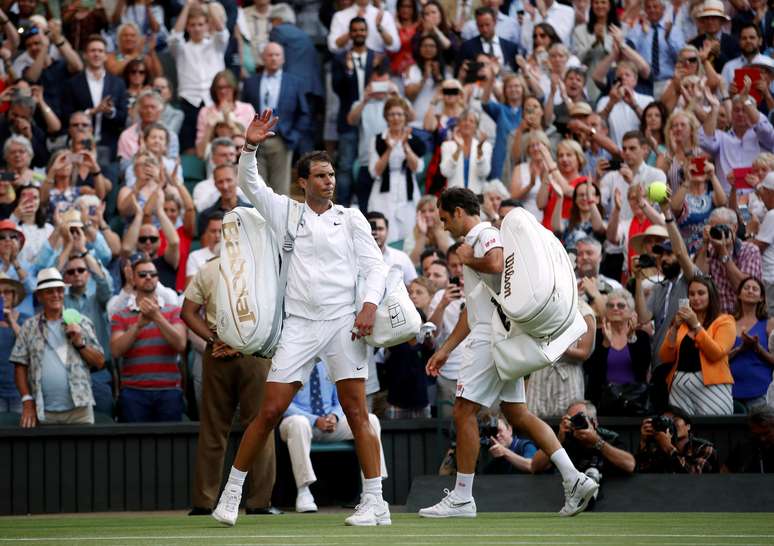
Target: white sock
[(236, 477), (463, 488), (562, 461), (304, 490), (373, 486)]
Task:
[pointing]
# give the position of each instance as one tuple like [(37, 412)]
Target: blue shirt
[(54, 381), (94, 307), (302, 405), (7, 339), (523, 447), (270, 90), (507, 119), (668, 48)]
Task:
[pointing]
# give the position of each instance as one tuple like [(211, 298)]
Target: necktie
[(654, 53), (360, 62), (488, 48), (315, 394), (266, 98)]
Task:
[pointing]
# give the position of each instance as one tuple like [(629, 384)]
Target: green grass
[(620, 529)]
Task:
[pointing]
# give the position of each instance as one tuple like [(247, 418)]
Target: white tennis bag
[(397, 320), (251, 285), (537, 317)]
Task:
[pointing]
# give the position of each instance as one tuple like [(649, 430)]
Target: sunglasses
[(146, 274), (618, 305), (147, 239), (76, 270), (137, 71), (692, 60), (9, 237)]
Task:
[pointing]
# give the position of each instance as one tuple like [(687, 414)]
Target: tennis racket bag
[(397, 320), (251, 284)]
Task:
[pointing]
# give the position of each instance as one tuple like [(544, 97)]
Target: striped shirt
[(151, 363)]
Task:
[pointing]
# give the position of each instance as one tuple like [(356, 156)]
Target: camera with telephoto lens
[(487, 427), (662, 423), (719, 231), (579, 421)]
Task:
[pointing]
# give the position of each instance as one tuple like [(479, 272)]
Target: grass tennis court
[(620, 529)]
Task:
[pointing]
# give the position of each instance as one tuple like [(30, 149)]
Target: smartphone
[(92, 210), (683, 302), (380, 87), (454, 280), (699, 164), (2, 309), (614, 164), (86, 143), (7, 176)]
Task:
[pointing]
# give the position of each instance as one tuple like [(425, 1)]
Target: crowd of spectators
[(122, 125)]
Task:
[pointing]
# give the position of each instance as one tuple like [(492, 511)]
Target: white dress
[(394, 204)]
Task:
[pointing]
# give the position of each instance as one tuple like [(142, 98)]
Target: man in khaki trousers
[(229, 379)]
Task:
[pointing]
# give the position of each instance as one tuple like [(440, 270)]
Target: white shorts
[(304, 341), (479, 381)]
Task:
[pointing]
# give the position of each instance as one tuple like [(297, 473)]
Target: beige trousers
[(296, 431), (274, 164), (76, 416)]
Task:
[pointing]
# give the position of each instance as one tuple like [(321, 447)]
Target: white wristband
[(27, 398)]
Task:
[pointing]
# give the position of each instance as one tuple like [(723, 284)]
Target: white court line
[(388, 535)]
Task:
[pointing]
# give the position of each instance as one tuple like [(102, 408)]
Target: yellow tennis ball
[(657, 192)]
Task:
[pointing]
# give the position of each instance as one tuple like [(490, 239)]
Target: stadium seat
[(194, 169)]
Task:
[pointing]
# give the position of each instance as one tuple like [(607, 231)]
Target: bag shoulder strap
[(295, 217)]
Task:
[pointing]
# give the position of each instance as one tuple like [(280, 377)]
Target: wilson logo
[(508, 274), (237, 264)]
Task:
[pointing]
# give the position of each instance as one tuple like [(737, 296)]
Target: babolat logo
[(237, 264), (508, 274)]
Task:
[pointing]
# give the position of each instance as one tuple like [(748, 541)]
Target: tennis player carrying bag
[(251, 284), (536, 311)]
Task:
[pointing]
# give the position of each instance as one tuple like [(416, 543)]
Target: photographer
[(510, 454), (667, 446), (725, 258), (592, 449)]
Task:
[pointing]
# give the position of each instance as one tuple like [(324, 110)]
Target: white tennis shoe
[(371, 511), (227, 510), (450, 507)]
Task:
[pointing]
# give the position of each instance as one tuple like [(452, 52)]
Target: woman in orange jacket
[(698, 343)]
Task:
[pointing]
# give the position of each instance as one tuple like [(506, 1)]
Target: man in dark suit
[(710, 20), (488, 42), (302, 60), (99, 94), (350, 73), (284, 94)]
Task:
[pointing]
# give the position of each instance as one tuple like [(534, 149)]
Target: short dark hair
[(376, 215), (145, 259), (677, 412), (454, 248), (430, 251), (94, 38), (358, 20), (511, 203), (630, 135), (752, 25), (305, 163), (226, 165), (463, 198), (485, 10), (214, 216)]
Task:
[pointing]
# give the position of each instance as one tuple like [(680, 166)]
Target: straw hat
[(638, 241), (49, 277)]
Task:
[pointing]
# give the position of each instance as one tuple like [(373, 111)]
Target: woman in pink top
[(225, 106)]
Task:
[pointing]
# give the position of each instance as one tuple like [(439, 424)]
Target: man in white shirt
[(380, 226), (765, 239), (622, 108), (197, 60), (479, 384), (750, 42), (333, 246), (382, 32), (205, 194), (559, 16), (634, 170), (211, 246)]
